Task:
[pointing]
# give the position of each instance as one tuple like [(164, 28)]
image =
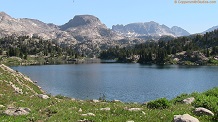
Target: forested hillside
[(36, 49), (195, 49)]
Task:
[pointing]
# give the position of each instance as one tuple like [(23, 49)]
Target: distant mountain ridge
[(31, 27), (149, 29), (210, 29)]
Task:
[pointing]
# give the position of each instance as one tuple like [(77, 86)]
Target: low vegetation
[(161, 103), (60, 108)]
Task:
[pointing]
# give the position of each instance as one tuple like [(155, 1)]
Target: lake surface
[(125, 82)]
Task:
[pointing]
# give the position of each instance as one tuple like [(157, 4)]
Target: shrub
[(161, 103), (212, 92), (180, 98), (60, 96)]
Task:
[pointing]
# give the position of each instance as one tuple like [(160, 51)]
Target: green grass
[(59, 108)]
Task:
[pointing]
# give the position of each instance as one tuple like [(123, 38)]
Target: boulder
[(95, 101), (189, 100), (73, 99), (185, 118), (17, 111), (105, 109), (85, 120), (80, 110), (143, 112), (43, 96), (129, 121), (88, 114), (116, 101), (134, 109), (203, 111)]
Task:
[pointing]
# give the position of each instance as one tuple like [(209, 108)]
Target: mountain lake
[(125, 82)]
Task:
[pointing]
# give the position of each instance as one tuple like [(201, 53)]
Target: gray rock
[(43, 96), (85, 120), (134, 109), (129, 121), (88, 114), (73, 99), (17, 111), (203, 111), (189, 100), (95, 101), (185, 118), (80, 110), (105, 109), (116, 101)]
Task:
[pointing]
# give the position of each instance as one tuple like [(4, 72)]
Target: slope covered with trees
[(195, 49), (35, 48)]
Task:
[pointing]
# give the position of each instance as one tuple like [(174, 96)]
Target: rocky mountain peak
[(82, 20), (151, 28), (152, 23), (179, 31), (3, 15)]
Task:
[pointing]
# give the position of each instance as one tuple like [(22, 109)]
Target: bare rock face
[(82, 20), (149, 29), (88, 27), (185, 118), (30, 27)]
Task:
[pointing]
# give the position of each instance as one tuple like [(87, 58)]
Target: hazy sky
[(192, 17)]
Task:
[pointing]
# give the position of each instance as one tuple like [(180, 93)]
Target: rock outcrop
[(17, 111)]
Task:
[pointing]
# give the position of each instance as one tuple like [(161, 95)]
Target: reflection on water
[(126, 82)]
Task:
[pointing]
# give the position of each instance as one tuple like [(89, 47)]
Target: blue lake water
[(125, 82)]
